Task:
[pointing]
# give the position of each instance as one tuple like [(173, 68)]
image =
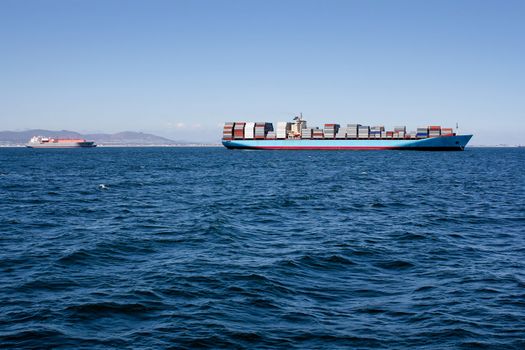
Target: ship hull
[(443, 143), (62, 145)]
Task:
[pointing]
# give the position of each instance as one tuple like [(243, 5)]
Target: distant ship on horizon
[(49, 142)]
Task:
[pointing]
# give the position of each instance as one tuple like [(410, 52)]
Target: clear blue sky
[(181, 68)]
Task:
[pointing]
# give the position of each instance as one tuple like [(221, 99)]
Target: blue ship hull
[(442, 143)]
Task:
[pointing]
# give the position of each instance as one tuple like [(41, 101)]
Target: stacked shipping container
[(282, 130), (264, 130), (375, 132), (447, 132), (341, 133), (399, 132), (434, 131), (249, 130), (422, 132), (227, 131), (306, 133), (317, 133), (352, 130), (238, 130), (330, 130), (261, 129), (363, 132)]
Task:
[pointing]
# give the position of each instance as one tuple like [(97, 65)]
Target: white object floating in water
[(103, 187)]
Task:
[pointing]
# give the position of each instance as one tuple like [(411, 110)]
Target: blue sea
[(183, 248)]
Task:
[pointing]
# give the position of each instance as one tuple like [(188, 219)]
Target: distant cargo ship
[(297, 136), (47, 142)]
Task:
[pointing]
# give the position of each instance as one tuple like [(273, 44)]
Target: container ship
[(46, 142), (296, 135)]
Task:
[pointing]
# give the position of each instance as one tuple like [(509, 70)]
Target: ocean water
[(204, 247)]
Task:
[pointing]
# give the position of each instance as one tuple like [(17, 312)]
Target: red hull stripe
[(326, 147)]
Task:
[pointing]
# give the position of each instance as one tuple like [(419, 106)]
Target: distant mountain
[(131, 138)]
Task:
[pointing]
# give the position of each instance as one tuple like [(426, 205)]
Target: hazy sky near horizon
[(182, 68)]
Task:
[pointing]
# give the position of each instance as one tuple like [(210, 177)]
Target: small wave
[(340, 260), (299, 317), (33, 338), (395, 265), (208, 341), (315, 339), (264, 303), (371, 293), (487, 290), (449, 334), (425, 288), (411, 236), (475, 345), (109, 308), (44, 224), (244, 336), (75, 257), (324, 262), (378, 205), (11, 221), (371, 310), (46, 284)]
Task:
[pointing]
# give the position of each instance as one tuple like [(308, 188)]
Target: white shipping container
[(249, 130), (306, 134), (283, 126)]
